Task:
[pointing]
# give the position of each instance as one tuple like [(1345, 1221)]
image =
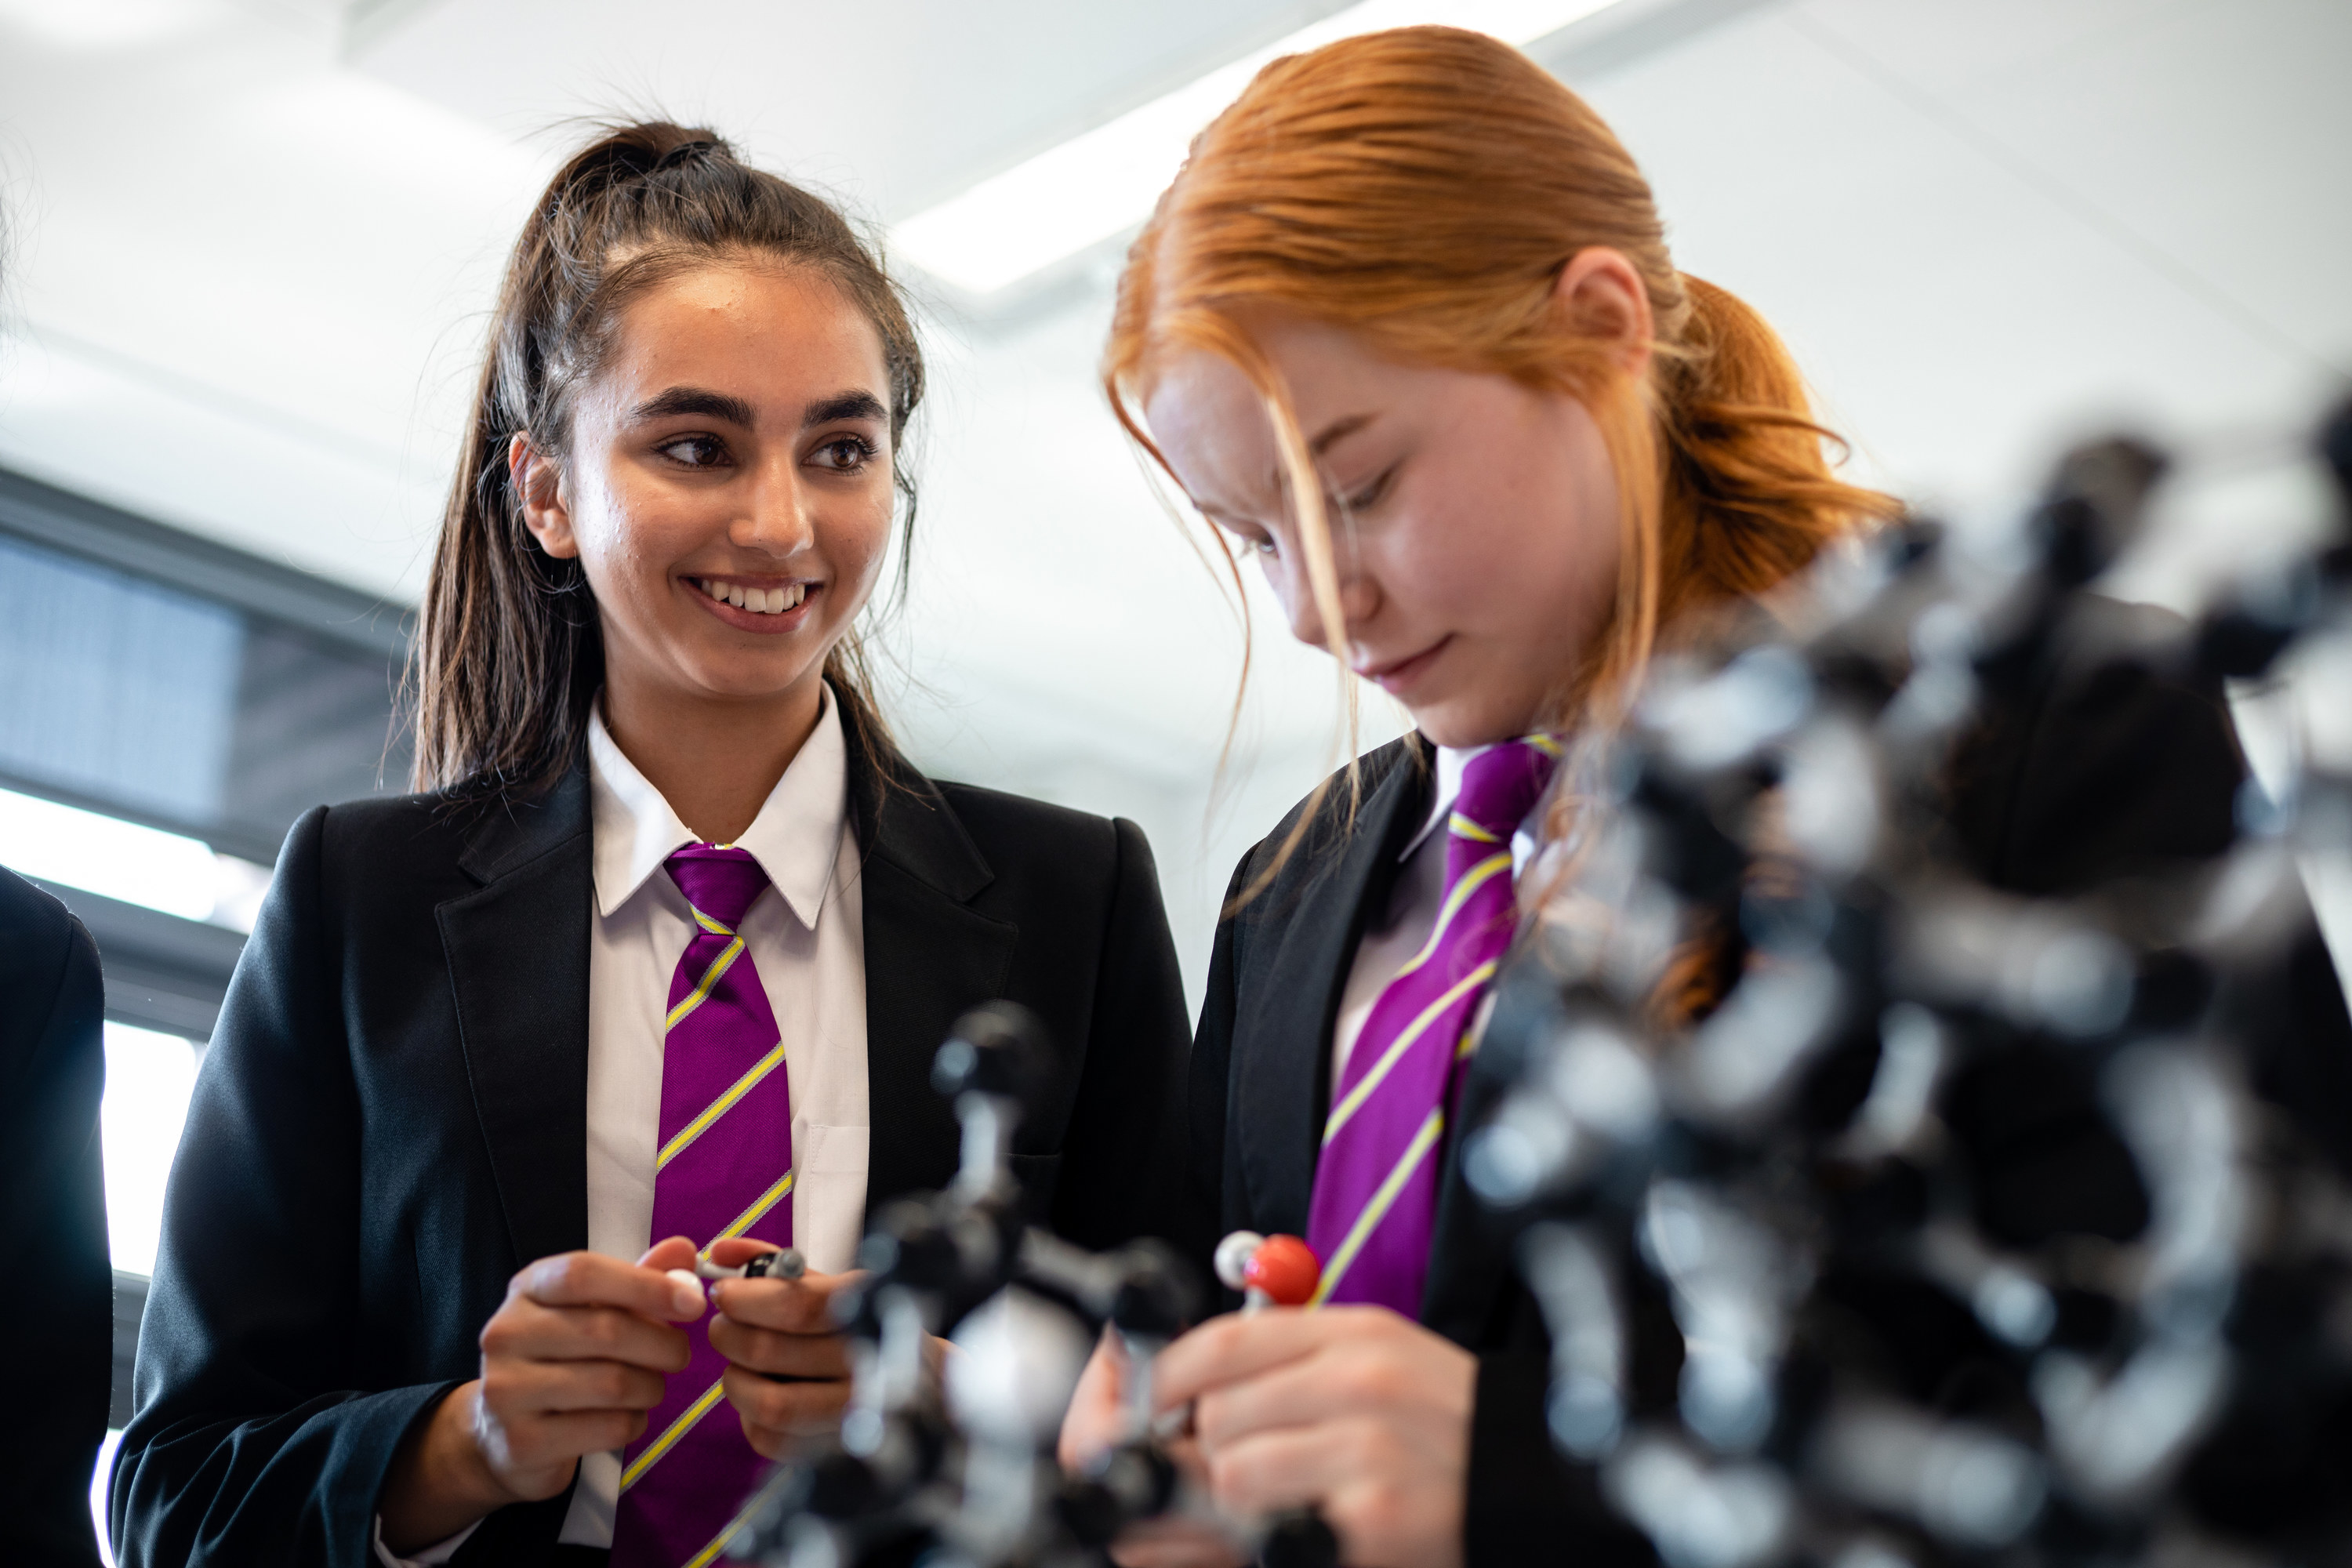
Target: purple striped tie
[(1375, 1200), (725, 1168)]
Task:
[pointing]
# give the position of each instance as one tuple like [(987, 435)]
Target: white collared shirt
[(1394, 935), (805, 933)]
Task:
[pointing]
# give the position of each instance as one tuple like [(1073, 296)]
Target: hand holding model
[(1350, 1412), (788, 1370), (571, 1364)]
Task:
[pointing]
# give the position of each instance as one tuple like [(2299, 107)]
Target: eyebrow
[(1338, 430), (1332, 435), (679, 400), (845, 405)]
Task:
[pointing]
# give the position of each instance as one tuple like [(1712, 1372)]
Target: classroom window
[(168, 706), (149, 1078)]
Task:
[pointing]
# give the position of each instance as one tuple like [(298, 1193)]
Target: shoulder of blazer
[(905, 821), (1011, 829), (962, 841), (2097, 763), (1338, 826), (29, 915), (502, 835), (485, 838)]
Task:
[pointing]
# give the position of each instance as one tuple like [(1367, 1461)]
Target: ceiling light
[(127, 860), (1094, 186), (117, 24)]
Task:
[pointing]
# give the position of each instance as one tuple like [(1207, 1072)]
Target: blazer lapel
[(928, 956), (518, 955), (1282, 1057)]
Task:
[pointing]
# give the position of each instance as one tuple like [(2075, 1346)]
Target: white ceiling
[(254, 241)]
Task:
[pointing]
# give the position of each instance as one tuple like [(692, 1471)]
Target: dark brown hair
[(510, 655)]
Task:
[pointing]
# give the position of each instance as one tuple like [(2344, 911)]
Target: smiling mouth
[(1401, 672), (758, 601)]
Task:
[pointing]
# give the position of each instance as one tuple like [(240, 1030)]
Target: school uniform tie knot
[(719, 880), (1502, 784)]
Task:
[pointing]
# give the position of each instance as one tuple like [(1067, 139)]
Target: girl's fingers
[(600, 1385), (1280, 1468), (803, 1306), (787, 1356), (670, 1252), (592, 1280), (1354, 1375), (1174, 1543), (1295, 1393), (1225, 1350), (773, 1414), (1096, 1417), (1386, 1503), (525, 1331), (554, 1438), (1366, 1363), (520, 1390), (734, 1251)]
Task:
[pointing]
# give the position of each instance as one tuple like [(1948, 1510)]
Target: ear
[(1600, 294), (540, 484)]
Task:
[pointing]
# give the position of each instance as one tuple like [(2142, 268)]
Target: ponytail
[(509, 654), (1747, 494)]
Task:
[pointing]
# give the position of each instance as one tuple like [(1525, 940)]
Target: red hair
[(1424, 188)]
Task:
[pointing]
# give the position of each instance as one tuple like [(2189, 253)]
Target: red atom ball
[(1286, 1268)]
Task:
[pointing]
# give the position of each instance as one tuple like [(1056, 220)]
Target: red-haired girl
[(1407, 330)]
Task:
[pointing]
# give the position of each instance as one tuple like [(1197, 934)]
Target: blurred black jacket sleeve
[(1122, 1159), (60, 1314)]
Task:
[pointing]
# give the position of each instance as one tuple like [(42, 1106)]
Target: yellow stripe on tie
[(760, 1205), (709, 1553), (1374, 1211), (719, 1107), (1545, 744), (1464, 827), (670, 1439), (710, 977), (712, 926), (1493, 865), (1356, 1097)]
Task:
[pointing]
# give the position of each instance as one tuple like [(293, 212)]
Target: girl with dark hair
[(653, 965)]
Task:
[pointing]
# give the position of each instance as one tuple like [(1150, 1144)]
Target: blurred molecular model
[(1993, 1199)]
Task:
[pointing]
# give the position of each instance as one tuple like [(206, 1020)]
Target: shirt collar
[(794, 839), (1451, 761)]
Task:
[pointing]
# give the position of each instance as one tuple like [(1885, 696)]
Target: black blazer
[(59, 1317), (2091, 776), (392, 1120)]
